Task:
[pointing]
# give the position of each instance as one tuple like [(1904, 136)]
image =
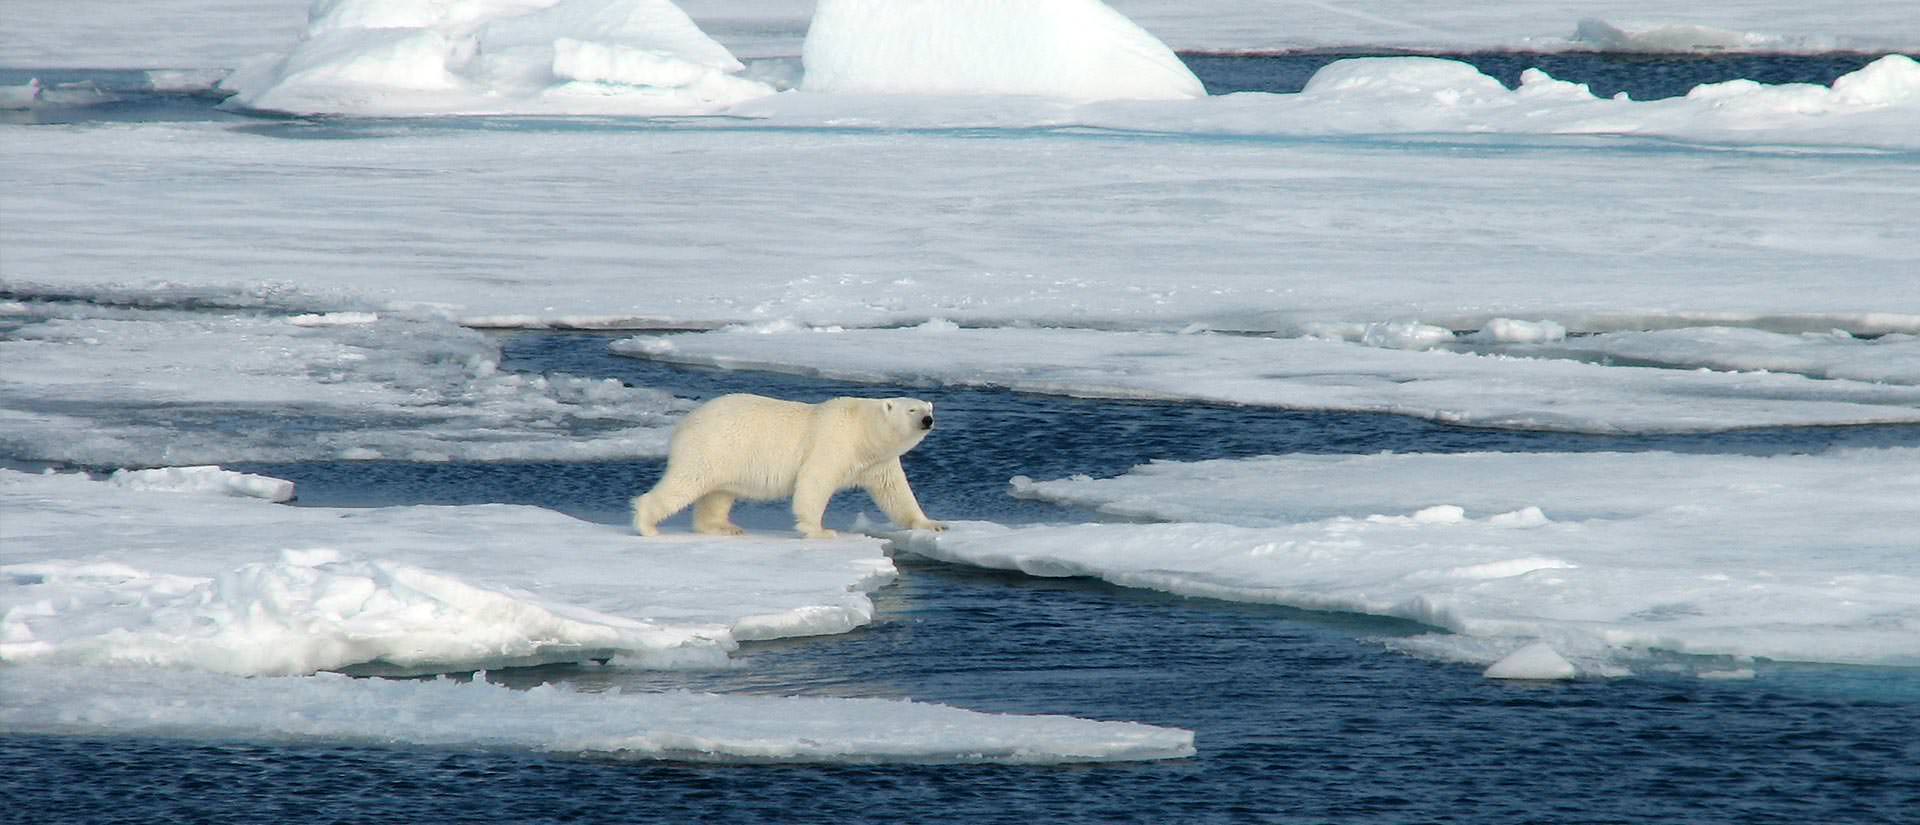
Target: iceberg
[(1072, 49), (404, 57)]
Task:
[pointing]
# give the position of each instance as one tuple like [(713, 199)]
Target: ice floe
[(1075, 49), (557, 719), (1607, 557), (93, 572), (107, 387), (1304, 373), (870, 229)]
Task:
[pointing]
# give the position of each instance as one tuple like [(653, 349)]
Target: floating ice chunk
[(393, 57), (1510, 331), (1428, 79), (1535, 661), (1405, 335), (557, 719), (204, 479), (1075, 49), (1787, 557)]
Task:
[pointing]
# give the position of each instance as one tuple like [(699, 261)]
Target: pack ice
[(1610, 559)]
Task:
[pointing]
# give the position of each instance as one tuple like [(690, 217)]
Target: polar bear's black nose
[(926, 422)]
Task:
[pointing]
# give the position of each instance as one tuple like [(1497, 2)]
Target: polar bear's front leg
[(886, 482), (810, 497)]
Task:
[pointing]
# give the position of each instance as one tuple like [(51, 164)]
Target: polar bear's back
[(749, 445)]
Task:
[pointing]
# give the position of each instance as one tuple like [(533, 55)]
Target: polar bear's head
[(909, 419)]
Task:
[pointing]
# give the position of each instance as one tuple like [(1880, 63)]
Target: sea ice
[(93, 572), (1075, 49), (1063, 229), (556, 719), (1606, 556), (119, 387), (1305, 373)]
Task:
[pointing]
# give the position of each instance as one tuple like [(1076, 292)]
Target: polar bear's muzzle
[(926, 422)]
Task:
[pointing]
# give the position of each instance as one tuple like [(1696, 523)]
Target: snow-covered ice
[(1605, 556), (1304, 373), (206, 479), (100, 573), (383, 57), (118, 387), (511, 228), (1076, 49), (557, 719)]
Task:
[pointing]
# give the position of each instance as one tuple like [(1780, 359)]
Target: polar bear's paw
[(819, 533), (727, 529), (928, 524)]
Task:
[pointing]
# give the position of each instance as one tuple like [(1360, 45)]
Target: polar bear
[(765, 449)]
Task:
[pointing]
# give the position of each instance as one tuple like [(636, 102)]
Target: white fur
[(765, 449)]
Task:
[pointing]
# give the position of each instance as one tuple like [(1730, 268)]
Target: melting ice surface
[(211, 387), (1605, 556), (1486, 390), (670, 725), (140, 623)]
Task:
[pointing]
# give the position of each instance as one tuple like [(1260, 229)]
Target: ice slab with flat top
[(557, 719), (1300, 373), (92, 572), (1608, 557)]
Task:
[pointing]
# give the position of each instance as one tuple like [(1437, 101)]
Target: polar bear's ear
[(887, 405)]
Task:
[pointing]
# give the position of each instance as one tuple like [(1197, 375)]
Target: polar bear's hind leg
[(710, 515), (671, 495)]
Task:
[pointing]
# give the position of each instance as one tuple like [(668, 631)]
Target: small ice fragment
[(1537, 660)]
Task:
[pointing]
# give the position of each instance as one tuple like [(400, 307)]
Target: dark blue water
[(1640, 76), (1299, 716)]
